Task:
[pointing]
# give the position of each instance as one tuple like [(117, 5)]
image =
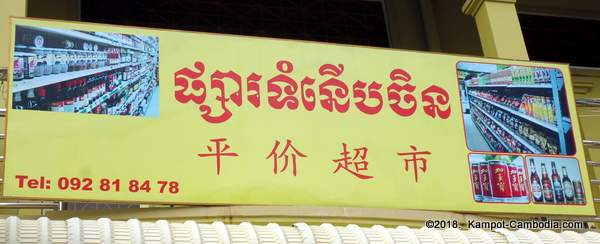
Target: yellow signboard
[(110, 113)]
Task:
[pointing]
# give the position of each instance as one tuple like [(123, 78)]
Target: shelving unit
[(56, 78), (108, 95), (118, 49), (559, 130), (493, 133), (536, 86), (521, 115), (531, 147)]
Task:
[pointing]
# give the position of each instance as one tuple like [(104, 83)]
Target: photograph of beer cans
[(75, 71), (515, 109), (555, 180), (498, 178)]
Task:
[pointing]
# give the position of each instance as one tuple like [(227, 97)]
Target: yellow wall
[(8, 8)]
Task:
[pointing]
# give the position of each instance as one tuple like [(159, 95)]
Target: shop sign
[(112, 113)]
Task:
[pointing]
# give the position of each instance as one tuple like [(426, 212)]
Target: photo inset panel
[(62, 70), (498, 178), (555, 180), (515, 109)]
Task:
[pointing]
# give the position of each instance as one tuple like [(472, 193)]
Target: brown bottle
[(536, 186), (568, 186), (547, 186), (557, 183)]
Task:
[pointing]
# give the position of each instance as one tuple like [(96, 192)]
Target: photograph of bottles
[(498, 178), (555, 180), (61, 70), (515, 109)]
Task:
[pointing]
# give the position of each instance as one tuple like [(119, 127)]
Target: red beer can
[(500, 180), (484, 176), (476, 182), (513, 175), (522, 184)]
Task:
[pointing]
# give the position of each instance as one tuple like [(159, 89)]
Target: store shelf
[(119, 43), (498, 138), (533, 86), (27, 84), (54, 49), (84, 36), (526, 143), (108, 95), (519, 114), (70, 33), (489, 143)]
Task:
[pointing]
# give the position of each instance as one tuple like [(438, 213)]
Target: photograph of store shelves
[(532, 148), (525, 105), (522, 115), (63, 70)]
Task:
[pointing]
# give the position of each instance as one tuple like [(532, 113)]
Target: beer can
[(486, 185), (522, 184), (476, 182), (499, 178), (579, 194), (513, 175)]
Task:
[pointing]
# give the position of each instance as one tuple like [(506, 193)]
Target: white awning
[(104, 230)]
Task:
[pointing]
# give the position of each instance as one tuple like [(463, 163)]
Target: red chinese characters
[(414, 160), (358, 161), (288, 151), (402, 94), (218, 151)]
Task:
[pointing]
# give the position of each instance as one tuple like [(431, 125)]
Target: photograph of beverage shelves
[(550, 187), (63, 70), (498, 178), (515, 109)]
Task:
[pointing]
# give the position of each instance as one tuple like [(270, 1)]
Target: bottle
[(547, 186), (31, 103), (536, 186), (579, 194), (557, 184), (568, 186), (551, 112), (68, 97), (42, 99), (57, 98), (18, 71), (18, 101), (49, 62)]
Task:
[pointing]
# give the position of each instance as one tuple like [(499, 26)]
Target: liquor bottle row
[(499, 181), (555, 190), (520, 127), (539, 107), (79, 94), (33, 59), (126, 101), (504, 138), (515, 75)]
